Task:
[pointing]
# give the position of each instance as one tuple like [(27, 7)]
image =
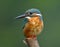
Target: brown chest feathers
[(33, 27)]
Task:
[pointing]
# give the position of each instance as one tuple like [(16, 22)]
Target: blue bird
[(33, 23)]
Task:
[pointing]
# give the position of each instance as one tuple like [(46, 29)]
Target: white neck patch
[(39, 14), (28, 17)]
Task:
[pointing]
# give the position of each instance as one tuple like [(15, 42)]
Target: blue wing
[(24, 22)]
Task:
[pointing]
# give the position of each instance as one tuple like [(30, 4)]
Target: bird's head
[(30, 13)]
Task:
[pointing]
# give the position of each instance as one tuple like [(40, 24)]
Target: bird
[(33, 23)]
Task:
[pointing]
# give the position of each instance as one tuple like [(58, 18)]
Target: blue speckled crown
[(33, 10)]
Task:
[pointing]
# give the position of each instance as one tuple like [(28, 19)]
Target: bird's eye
[(30, 12)]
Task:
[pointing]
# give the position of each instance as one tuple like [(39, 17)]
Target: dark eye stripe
[(30, 13)]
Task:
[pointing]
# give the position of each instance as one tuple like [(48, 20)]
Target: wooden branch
[(31, 42)]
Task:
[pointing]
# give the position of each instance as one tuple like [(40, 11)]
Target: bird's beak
[(21, 16)]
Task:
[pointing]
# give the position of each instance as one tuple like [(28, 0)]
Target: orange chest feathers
[(33, 27)]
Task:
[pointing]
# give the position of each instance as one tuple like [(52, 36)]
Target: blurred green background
[(11, 34)]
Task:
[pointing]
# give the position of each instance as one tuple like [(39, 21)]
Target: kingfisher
[(33, 23)]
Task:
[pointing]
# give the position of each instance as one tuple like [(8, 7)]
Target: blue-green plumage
[(29, 13), (32, 23), (33, 10)]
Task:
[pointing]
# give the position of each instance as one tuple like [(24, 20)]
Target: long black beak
[(21, 16)]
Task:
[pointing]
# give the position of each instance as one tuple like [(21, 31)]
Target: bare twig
[(31, 42)]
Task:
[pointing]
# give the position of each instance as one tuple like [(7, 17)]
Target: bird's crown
[(33, 10)]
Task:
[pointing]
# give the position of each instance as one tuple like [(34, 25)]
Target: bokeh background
[(11, 34)]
